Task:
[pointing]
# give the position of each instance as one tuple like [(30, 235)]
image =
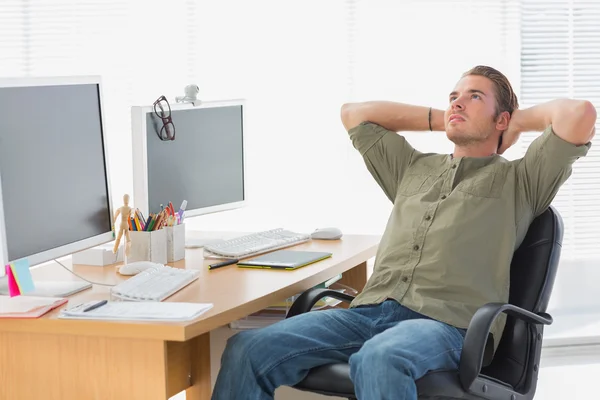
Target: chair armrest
[(471, 359), (306, 301)]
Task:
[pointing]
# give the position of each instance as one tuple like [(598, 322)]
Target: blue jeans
[(388, 347)]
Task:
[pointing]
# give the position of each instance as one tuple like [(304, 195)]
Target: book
[(285, 259), (28, 306), (136, 311)]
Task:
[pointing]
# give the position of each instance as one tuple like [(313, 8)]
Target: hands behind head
[(511, 135)]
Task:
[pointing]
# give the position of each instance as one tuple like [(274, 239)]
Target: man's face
[(471, 114)]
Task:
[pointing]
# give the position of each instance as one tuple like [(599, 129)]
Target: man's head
[(480, 106)]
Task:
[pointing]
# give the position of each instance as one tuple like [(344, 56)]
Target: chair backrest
[(532, 274)]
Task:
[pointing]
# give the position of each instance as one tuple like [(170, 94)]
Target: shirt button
[(453, 166), (427, 218), (404, 279), (443, 197), (416, 247)]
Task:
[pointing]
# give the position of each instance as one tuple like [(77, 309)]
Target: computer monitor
[(204, 164), (54, 178)]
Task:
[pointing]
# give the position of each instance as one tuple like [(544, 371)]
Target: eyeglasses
[(162, 109)]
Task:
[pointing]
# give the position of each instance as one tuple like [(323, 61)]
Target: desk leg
[(201, 387), (59, 367)]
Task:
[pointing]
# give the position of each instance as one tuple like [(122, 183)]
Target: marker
[(182, 210), (223, 264), (97, 305)]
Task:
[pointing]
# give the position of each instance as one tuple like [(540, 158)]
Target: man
[(446, 251)]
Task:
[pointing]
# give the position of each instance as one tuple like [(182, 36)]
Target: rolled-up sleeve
[(387, 154), (547, 164)]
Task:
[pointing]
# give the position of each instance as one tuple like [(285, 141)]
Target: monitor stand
[(50, 288)]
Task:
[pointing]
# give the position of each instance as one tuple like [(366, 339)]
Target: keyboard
[(256, 243), (155, 283)]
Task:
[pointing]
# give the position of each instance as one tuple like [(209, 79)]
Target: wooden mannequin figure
[(125, 212)]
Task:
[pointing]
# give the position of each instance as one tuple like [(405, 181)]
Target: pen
[(97, 305), (223, 264)]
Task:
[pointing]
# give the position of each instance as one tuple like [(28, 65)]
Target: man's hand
[(511, 135)]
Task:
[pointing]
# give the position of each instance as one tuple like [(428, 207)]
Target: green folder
[(284, 259)]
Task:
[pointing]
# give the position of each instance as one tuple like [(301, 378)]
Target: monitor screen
[(52, 169), (203, 165)]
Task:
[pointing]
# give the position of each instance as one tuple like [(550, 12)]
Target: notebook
[(284, 259), (28, 306), (138, 311)]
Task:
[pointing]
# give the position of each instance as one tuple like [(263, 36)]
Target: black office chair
[(511, 374)]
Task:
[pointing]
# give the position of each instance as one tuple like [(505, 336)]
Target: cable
[(81, 277)]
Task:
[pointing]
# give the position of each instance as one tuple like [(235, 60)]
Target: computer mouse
[(136, 267), (326, 233)]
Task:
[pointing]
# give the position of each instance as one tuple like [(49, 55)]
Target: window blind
[(560, 57), (13, 43)]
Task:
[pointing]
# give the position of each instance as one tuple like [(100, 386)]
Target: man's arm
[(571, 120), (373, 128), (392, 116), (568, 127)]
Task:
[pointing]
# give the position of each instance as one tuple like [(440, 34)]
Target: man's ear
[(503, 121)]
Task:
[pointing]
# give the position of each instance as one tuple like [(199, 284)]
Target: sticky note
[(13, 288), (22, 275)]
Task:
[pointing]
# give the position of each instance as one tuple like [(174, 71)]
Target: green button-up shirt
[(456, 222)]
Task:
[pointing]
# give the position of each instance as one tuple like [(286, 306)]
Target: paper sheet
[(139, 311)]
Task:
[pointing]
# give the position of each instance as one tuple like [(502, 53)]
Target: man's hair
[(506, 99)]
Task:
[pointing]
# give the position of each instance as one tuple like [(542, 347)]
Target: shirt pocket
[(486, 184), (414, 183)]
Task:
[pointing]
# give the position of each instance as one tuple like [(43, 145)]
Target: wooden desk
[(50, 358)]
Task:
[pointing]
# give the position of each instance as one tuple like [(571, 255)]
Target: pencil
[(159, 220)]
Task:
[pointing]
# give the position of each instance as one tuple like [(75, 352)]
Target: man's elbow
[(587, 115), (588, 111), (352, 115), (582, 116)]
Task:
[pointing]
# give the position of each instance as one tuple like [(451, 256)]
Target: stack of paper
[(278, 311), (257, 320), (137, 311), (28, 306)]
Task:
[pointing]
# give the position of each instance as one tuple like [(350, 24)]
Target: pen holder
[(148, 246), (175, 242)]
